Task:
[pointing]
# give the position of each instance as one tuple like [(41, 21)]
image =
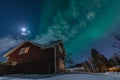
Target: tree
[(69, 59), (117, 44)]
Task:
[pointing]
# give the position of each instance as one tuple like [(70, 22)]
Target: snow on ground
[(114, 75), (80, 76)]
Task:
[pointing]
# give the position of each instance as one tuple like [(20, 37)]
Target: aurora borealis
[(81, 24)]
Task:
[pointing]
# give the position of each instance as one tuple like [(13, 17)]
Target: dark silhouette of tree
[(100, 60), (117, 44), (69, 59)]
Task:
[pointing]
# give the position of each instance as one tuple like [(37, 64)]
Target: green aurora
[(79, 23)]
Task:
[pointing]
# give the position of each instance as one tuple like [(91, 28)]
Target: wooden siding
[(37, 60)]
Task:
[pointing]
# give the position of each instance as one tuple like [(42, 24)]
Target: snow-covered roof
[(48, 45), (118, 66)]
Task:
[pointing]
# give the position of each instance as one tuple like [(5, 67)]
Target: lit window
[(24, 50), (14, 63)]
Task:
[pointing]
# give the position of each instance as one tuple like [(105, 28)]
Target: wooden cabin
[(30, 57), (114, 69)]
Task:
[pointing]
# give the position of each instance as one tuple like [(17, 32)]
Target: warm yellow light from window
[(27, 50)]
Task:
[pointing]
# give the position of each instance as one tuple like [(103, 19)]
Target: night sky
[(81, 24)]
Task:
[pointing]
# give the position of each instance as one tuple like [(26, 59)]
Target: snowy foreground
[(80, 76)]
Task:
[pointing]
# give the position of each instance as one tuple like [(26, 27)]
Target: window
[(24, 50), (14, 63)]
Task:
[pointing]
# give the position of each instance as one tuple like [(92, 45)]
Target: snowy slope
[(63, 77)]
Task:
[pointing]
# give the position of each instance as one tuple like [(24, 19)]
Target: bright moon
[(23, 29)]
